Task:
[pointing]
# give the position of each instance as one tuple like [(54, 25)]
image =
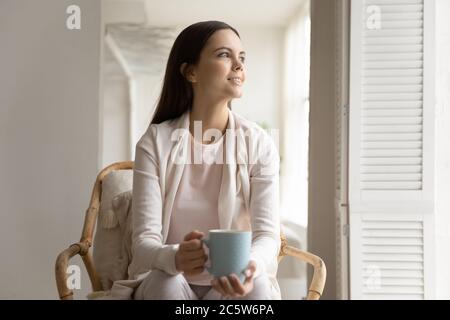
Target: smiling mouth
[(236, 81)]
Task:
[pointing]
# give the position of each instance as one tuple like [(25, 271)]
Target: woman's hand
[(190, 257), (232, 286)]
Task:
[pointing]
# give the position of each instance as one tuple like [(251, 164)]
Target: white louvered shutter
[(391, 150)]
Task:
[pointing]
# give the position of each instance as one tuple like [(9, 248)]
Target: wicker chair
[(82, 247)]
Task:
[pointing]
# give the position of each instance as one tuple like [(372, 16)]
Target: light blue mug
[(229, 252)]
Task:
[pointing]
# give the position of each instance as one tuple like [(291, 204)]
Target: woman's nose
[(238, 66)]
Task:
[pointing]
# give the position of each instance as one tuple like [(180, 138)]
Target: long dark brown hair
[(177, 94)]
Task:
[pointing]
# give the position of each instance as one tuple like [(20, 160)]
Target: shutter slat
[(394, 241), (386, 257), (391, 161), (392, 80), (388, 105), (392, 233), (391, 177), (377, 33), (394, 3), (399, 5), (399, 265), (398, 153), (418, 48), (392, 224), (394, 129), (392, 249), (386, 56), (396, 290), (392, 169), (395, 273), (395, 16), (393, 64), (393, 113), (389, 185), (389, 137), (371, 88), (390, 40), (392, 98), (405, 24), (414, 282), (371, 121), (393, 145), (369, 73), (389, 289), (384, 296)]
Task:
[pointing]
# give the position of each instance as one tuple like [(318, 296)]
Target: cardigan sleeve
[(264, 204), (148, 249)]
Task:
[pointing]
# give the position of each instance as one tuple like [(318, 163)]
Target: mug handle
[(206, 243)]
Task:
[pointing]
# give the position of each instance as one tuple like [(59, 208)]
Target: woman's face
[(220, 73)]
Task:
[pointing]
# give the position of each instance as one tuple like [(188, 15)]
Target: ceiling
[(166, 13), (144, 49)]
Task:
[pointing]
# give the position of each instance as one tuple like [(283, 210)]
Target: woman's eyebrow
[(226, 48)]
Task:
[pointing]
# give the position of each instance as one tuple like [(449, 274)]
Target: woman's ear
[(188, 73)]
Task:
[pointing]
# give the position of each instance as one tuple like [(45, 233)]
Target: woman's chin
[(236, 93)]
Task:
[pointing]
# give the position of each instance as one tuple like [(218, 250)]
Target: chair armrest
[(320, 272), (62, 263)]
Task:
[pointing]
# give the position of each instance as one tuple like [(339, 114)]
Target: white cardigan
[(248, 198)]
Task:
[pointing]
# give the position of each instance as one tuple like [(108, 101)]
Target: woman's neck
[(211, 116)]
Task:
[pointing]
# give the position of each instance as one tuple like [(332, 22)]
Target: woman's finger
[(226, 286), (248, 280), (193, 235), (250, 271), (237, 285), (216, 285), (194, 272), (192, 255), (191, 245), (251, 266), (196, 263)]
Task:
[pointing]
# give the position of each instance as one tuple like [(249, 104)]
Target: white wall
[(115, 106), (442, 149), (49, 125), (146, 90), (116, 143)]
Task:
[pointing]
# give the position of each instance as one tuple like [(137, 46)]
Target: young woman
[(233, 186)]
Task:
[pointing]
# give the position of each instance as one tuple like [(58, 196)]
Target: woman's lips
[(236, 81)]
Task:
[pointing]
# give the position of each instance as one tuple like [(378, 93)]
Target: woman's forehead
[(224, 38)]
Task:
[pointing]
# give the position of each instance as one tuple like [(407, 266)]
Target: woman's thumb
[(193, 235)]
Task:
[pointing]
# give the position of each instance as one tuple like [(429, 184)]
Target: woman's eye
[(226, 54)]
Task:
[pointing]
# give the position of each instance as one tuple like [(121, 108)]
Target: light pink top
[(196, 202)]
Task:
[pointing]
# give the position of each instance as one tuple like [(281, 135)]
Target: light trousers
[(159, 285)]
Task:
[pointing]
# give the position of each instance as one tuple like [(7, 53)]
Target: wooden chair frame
[(82, 247)]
